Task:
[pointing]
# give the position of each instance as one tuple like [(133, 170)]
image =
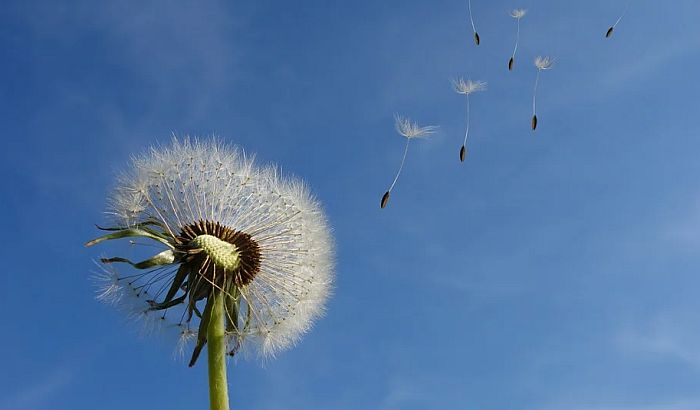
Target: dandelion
[(477, 40), (467, 88), (406, 128), (541, 63), (517, 14), (609, 33), (246, 258)]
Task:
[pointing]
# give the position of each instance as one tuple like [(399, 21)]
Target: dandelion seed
[(541, 63), (477, 40), (246, 260), (406, 128), (609, 33), (467, 88), (517, 14)]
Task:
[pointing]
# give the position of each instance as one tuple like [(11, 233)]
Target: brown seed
[(476, 38), (609, 33), (534, 122), (462, 153), (510, 64), (385, 199)]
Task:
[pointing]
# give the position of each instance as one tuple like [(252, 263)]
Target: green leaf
[(202, 332), (147, 222), (179, 279), (163, 258), (132, 232), (166, 304), (233, 301)]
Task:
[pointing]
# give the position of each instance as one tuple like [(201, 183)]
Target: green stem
[(216, 351)]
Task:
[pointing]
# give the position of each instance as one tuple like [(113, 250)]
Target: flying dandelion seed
[(517, 14), (477, 40), (406, 128), (542, 63), (467, 88), (609, 33), (246, 260)]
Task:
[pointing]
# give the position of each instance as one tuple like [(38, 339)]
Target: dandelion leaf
[(202, 332), (163, 258), (130, 232), (178, 281)]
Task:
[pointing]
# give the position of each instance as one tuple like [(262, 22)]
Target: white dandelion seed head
[(544, 63), (518, 13), (468, 87), (190, 181), (409, 129)]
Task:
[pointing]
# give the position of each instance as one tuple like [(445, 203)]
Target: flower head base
[(228, 227), (544, 63), (518, 13), (407, 128), (469, 86)]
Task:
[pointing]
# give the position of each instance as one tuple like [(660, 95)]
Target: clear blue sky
[(554, 270)]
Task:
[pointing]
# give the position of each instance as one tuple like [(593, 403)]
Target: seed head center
[(224, 254)]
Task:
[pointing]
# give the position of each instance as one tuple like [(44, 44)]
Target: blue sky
[(551, 270)]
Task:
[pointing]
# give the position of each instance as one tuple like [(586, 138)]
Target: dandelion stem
[(627, 6), (534, 94), (477, 40), (216, 338), (396, 178), (517, 40), (466, 134), (469, 4)]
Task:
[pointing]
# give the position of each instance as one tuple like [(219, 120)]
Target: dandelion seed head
[(468, 87), (409, 129), (544, 63), (518, 13), (205, 200)]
